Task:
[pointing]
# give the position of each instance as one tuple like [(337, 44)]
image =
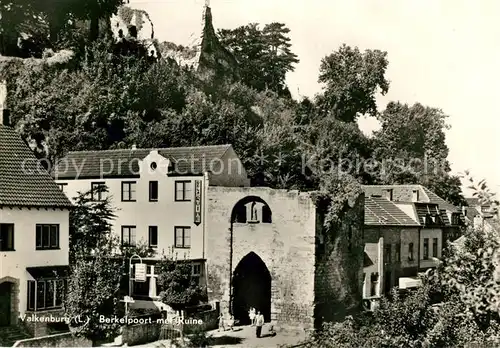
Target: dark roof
[(472, 201), (381, 211), (433, 210), (471, 213), (435, 199), (125, 163), (401, 194), (23, 182), (444, 217), (426, 209)]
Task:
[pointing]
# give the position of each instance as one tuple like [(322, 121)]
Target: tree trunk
[(54, 29), (94, 27), (2, 44)]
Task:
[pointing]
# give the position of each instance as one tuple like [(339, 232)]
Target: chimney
[(4, 112), (464, 210), (134, 147)]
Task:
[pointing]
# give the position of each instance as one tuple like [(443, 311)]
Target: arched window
[(251, 209)]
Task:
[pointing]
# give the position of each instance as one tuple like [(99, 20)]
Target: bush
[(199, 339), (467, 286)]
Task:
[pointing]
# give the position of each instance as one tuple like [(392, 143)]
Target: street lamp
[(128, 299), (130, 273)]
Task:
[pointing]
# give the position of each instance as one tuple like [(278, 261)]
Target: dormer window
[(415, 196), (438, 220), (389, 194), (429, 219), (455, 219)]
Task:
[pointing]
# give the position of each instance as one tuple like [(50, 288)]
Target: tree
[(95, 276), (410, 148), (47, 23), (90, 223), (264, 55), (457, 306), (14, 15), (91, 10), (93, 291), (91, 107), (334, 146), (178, 288), (351, 80)]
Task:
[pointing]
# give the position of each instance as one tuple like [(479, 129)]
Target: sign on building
[(140, 272), (197, 202)]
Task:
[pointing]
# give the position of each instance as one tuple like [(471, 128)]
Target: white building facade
[(158, 197), (34, 235)]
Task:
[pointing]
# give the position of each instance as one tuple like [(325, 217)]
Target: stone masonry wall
[(339, 270), (287, 247)]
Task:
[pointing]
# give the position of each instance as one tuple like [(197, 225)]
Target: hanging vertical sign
[(197, 202), (140, 272)]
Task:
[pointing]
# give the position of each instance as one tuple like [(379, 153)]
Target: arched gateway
[(251, 288)]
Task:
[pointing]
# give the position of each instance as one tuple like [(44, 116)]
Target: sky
[(442, 53)]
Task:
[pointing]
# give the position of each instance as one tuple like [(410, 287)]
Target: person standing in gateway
[(259, 322), (251, 315)]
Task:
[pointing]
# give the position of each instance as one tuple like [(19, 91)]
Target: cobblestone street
[(244, 336)]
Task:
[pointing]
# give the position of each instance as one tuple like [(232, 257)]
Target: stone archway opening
[(6, 300), (251, 209), (251, 288)]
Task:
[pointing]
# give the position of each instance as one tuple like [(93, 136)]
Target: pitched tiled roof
[(472, 201), (471, 213), (125, 163), (434, 198), (380, 211), (23, 182), (424, 210), (444, 217), (402, 193)]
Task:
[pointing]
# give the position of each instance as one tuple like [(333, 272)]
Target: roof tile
[(381, 211), (125, 163), (23, 181)]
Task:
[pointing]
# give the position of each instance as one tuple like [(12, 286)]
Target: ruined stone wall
[(286, 246), (339, 270)]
